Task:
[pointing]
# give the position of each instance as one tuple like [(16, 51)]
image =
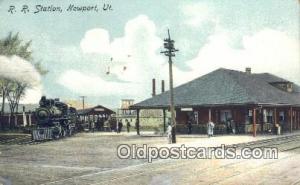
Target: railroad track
[(20, 139), (17, 140), (273, 142)]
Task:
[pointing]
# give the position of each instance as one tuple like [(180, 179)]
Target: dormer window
[(285, 86), (290, 87)]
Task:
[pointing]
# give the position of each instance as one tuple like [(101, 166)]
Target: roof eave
[(213, 105)]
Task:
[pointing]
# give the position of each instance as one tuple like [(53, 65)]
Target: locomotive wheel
[(56, 133), (64, 133), (67, 132), (56, 136)]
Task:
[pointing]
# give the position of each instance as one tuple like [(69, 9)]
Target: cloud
[(268, 50), (196, 14), (93, 85), (16, 68), (138, 51), (32, 95), (95, 41), (136, 60), (142, 44), (274, 51)]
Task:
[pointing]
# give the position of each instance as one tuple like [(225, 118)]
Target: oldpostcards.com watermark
[(133, 151)]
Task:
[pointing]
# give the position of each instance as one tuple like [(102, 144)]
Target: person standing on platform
[(228, 126), (233, 126), (169, 133), (189, 124), (93, 126), (101, 124), (210, 128), (120, 125), (128, 125)]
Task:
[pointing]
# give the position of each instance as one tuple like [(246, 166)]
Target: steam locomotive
[(55, 120)]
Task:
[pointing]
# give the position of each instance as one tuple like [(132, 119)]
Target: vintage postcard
[(149, 92)]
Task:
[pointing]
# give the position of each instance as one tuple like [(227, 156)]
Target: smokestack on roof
[(153, 87), (248, 70), (162, 86)]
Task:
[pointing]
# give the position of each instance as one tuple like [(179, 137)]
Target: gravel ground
[(91, 158)]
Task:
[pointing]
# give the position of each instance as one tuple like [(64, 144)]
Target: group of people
[(95, 125), (231, 127), (119, 126), (111, 124), (210, 129)]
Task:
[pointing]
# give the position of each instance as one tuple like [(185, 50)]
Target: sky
[(79, 48)]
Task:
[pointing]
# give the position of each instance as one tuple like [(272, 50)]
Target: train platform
[(91, 158), (217, 140)]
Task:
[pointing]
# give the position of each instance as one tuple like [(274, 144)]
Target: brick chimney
[(248, 70), (153, 87), (162, 86)]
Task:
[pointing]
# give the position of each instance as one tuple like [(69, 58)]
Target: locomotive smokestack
[(162, 86), (153, 87)]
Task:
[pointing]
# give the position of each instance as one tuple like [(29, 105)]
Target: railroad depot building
[(257, 102)]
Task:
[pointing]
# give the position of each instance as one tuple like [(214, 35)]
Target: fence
[(8, 121)]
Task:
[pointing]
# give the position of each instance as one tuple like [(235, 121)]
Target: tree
[(14, 93), (13, 90), (12, 45), (3, 92)]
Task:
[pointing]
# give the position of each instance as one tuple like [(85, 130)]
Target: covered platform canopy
[(99, 109), (94, 116)]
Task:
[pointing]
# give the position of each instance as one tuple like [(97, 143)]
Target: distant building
[(28, 108), (149, 119), (124, 112)]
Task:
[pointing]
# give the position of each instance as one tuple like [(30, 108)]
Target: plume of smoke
[(20, 70)]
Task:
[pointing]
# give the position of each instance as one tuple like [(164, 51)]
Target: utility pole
[(170, 52), (83, 97)]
